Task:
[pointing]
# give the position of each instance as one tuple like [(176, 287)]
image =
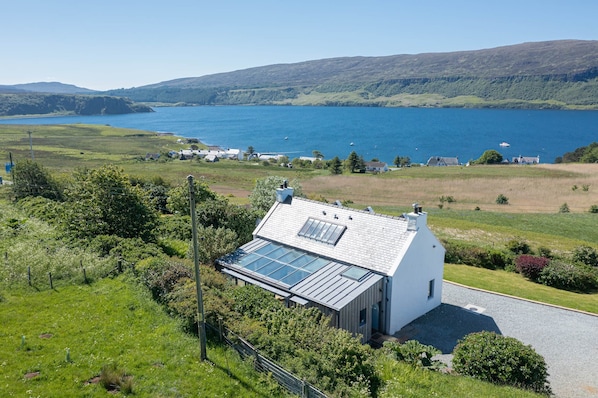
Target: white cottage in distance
[(370, 273)]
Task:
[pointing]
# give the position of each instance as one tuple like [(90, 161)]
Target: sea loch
[(381, 133)]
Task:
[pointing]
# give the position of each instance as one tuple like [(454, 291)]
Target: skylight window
[(355, 273), (322, 231)]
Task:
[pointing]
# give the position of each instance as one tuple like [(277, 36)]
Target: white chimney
[(284, 193)]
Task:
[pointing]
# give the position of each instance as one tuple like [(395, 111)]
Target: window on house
[(362, 317), (431, 289)]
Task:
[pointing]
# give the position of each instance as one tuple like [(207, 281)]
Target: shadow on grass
[(445, 325)]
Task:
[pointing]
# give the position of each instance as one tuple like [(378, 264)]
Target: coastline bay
[(382, 133)]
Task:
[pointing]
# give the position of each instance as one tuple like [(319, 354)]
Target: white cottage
[(369, 272)]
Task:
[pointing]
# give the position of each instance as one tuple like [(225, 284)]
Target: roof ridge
[(401, 217)]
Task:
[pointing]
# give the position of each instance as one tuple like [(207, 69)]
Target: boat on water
[(504, 144)]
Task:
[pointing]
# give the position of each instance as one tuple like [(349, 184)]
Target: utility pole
[(30, 144), (200, 313)]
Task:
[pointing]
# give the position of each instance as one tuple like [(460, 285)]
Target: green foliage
[(585, 255), (103, 202), (501, 360), (593, 209), (31, 179), (130, 250), (584, 154), (564, 208), (502, 200), (518, 246), (219, 213), (178, 197), (415, 353), (263, 195), (214, 243), (355, 163), (572, 277), (336, 166), (470, 254), (401, 161), (490, 156)]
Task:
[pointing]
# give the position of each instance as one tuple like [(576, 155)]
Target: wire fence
[(287, 380)]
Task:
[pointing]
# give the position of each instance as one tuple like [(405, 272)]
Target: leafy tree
[(214, 243), (586, 255), (590, 155), (178, 197), (103, 202), (32, 179), (490, 156), (317, 154), (501, 360), (401, 161), (263, 195), (219, 213), (336, 166)]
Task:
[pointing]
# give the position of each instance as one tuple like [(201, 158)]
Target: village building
[(370, 273), (376, 167), (443, 161), (526, 160)]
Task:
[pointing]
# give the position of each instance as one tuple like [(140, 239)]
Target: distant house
[(443, 161), (526, 160), (376, 167), (212, 158), (368, 272)]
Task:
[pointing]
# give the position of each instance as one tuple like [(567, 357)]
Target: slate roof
[(372, 241)]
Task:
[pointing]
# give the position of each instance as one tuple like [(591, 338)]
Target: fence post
[(51, 284), (29, 275), (84, 276)]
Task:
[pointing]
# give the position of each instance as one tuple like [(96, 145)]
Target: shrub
[(530, 266), (564, 208), (113, 378), (561, 275), (502, 200), (415, 353), (461, 253), (586, 255), (593, 209), (501, 360), (518, 246)]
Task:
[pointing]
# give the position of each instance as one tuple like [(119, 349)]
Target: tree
[(317, 154), (32, 179), (401, 161), (336, 166), (352, 162), (263, 195), (219, 213), (178, 197), (490, 156), (103, 202)]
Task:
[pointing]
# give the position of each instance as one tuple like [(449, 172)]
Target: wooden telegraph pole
[(200, 313)]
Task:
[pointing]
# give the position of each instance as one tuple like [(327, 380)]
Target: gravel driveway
[(567, 340)]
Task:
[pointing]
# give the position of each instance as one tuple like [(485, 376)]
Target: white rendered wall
[(423, 262)]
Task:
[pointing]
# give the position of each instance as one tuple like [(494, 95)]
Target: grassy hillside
[(556, 74)]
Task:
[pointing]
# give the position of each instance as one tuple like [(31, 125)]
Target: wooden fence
[(262, 364)]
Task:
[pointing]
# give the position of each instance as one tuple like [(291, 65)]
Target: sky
[(112, 44)]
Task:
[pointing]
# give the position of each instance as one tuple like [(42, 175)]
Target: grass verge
[(515, 285)]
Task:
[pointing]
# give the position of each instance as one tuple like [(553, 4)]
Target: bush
[(502, 200), (586, 255), (594, 209), (564, 208), (530, 266), (461, 253), (578, 278), (415, 353), (501, 360), (518, 246)]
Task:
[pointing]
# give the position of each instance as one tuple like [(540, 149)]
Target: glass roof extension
[(322, 231), (283, 265)]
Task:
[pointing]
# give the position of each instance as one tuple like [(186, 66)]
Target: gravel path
[(567, 340)]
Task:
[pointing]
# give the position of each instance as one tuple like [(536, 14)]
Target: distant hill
[(46, 87), (552, 74), (44, 104)]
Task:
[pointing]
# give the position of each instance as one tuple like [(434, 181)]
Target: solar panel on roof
[(322, 231), (284, 265)]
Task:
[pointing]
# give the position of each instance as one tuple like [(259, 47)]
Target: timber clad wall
[(349, 315)]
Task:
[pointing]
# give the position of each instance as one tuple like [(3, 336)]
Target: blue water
[(381, 133)]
